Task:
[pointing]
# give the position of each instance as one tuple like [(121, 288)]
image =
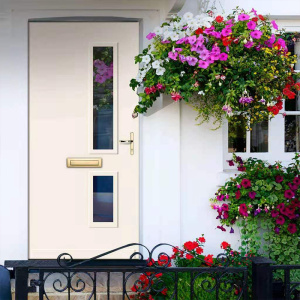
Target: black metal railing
[(146, 278), (150, 279), (286, 288)]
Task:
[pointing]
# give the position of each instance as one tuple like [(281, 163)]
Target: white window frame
[(276, 142)]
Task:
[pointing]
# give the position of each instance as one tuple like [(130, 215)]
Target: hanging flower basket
[(219, 64)]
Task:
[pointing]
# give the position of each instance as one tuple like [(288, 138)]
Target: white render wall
[(180, 161)]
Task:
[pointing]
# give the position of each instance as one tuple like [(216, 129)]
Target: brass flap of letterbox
[(84, 162)]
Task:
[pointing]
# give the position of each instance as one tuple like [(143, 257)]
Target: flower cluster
[(262, 190), (102, 72), (221, 64), (160, 285)]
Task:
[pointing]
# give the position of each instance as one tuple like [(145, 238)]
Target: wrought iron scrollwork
[(156, 275)]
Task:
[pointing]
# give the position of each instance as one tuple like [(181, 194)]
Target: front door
[(83, 142)]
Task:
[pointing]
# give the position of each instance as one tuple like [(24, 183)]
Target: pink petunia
[(173, 55), (150, 35), (243, 17), (256, 34), (203, 64), (292, 228), (289, 194), (192, 39), (226, 31), (251, 25), (214, 56), (204, 54), (275, 26), (223, 56), (191, 60), (249, 44), (182, 58), (252, 195), (181, 41)]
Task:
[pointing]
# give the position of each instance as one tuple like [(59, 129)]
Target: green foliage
[(269, 219)]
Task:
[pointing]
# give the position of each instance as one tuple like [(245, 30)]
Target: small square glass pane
[(103, 199), (259, 137), (292, 134), (237, 135), (103, 98)]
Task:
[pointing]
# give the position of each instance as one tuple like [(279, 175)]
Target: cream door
[(84, 182)]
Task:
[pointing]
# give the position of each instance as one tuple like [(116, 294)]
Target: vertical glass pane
[(237, 135), (103, 98), (259, 137), (103, 198), (292, 134)]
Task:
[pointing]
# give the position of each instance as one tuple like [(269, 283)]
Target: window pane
[(103, 198), (293, 104), (292, 133), (293, 45), (103, 98), (237, 135), (259, 137)]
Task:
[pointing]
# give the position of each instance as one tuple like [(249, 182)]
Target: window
[(274, 140)]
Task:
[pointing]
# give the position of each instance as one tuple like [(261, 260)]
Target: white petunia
[(143, 73), (160, 71), (176, 25), (156, 64), (188, 16), (193, 24), (139, 78), (158, 30), (146, 59), (174, 36), (201, 93)]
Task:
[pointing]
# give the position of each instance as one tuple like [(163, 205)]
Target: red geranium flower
[(201, 239), (190, 246), (189, 256), (209, 259), (199, 31), (225, 245), (199, 250), (164, 291), (219, 19), (255, 19), (261, 17)]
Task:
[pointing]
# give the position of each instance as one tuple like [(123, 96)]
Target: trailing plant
[(221, 65), (160, 285), (263, 200)]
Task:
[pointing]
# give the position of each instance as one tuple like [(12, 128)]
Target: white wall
[(180, 161)]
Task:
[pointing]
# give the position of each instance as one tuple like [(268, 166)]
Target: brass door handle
[(131, 142)]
